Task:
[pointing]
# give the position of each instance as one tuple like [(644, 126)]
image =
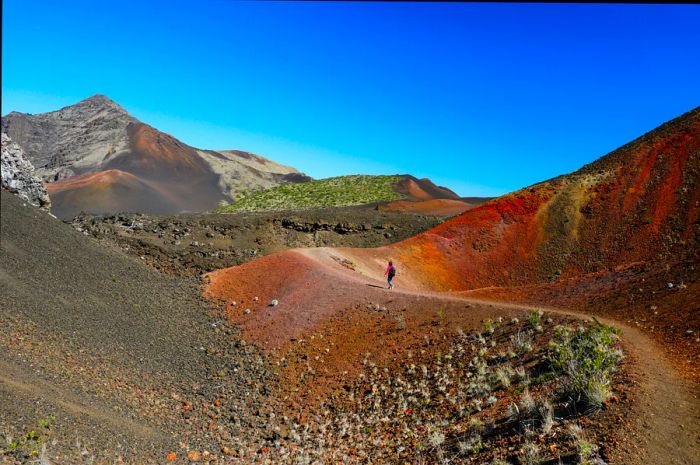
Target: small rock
[(669, 285), (274, 303), (246, 311)]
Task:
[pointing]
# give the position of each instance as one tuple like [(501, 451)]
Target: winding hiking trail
[(317, 286), (618, 239)]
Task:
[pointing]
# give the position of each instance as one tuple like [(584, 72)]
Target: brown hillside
[(111, 190), (97, 135)]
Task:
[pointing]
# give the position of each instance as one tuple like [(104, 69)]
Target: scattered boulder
[(274, 303), (18, 175)]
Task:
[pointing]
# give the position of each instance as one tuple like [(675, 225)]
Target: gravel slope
[(127, 360)]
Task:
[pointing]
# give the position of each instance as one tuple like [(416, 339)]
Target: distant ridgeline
[(97, 158), (339, 191)]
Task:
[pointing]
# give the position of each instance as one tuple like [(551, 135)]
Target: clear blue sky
[(483, 98)]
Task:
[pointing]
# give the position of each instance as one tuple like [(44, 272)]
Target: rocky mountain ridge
[(100, 159)]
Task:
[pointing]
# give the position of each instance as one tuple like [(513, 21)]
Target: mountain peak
[(100, 100)]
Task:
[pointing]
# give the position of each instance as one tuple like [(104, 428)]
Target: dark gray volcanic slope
[(110, 348)]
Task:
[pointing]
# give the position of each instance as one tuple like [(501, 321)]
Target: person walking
[(390, 273)]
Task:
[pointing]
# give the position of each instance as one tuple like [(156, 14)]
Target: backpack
[(392, 272)]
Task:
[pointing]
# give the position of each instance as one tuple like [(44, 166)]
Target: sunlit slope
[(640, 203)]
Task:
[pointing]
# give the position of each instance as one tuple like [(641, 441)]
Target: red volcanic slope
[(113, 190), (439, 207), (158, 174), (639, 203), (423, 189), (155, 154)]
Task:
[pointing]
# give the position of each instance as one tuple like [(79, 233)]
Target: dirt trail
[(663, 427), (669, 433)]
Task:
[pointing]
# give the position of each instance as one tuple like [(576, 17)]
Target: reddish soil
[(109, 190), (330, 315), (160, 155), (573, 241), (640, 203), (424, 189), (158, 174), (638, 295), (437, 207)]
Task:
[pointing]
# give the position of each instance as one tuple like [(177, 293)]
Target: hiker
[(390, 273)]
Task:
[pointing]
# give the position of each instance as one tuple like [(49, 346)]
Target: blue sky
[(482, 98)]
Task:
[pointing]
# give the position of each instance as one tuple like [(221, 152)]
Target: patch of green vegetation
[(588, 357), (340, 191), (534, 317), (28, 445), (441, 314)]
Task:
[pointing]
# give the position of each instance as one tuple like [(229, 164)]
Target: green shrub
[(588, 358), (534, 317)]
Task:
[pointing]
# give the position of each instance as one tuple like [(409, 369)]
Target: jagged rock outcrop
[(18, 175)]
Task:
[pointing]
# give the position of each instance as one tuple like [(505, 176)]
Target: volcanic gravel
[(130, 363)]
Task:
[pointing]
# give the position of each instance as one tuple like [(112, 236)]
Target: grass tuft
[(588, 357)]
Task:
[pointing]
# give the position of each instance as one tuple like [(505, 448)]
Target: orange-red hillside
[(604, 239), (439, 207), (640, 203), (424, 189)]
